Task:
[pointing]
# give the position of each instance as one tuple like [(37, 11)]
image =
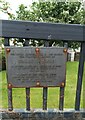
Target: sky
[(14, 5)]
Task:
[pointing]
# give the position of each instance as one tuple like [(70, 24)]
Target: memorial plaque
[(36, 67)]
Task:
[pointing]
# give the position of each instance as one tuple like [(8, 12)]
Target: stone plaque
[(36, 67)]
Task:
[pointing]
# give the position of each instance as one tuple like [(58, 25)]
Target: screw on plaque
[(37, 50), (38, 83), (62, 84), (65, 50), (8, 50), (9, 85)]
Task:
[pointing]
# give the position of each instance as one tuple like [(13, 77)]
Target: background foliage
[(48, 11)]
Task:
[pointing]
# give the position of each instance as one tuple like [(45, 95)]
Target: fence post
[(61, 99), (6, 42), (10, 104), (45, 89), (80, 76), (27, 89)]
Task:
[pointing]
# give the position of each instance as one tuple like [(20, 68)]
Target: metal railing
[(47, 32)]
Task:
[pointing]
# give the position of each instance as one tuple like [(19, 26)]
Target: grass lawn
[(36, 93)]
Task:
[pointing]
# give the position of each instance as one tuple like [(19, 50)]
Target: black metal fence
[(47, 32)]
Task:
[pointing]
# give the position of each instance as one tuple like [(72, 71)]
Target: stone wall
[(42, 115)]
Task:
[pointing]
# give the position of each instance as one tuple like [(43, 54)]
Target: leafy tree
[(5, 8), (64, 12), (55, 12)]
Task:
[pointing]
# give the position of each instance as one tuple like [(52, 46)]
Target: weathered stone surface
[(42, 115)]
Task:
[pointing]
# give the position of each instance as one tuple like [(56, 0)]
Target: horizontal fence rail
[(45, 31)]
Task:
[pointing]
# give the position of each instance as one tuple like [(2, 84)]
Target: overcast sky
[(14, 5)]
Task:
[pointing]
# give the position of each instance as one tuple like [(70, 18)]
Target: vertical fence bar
[(10, 104), (6, 42), (61, 101), (45, 89), (27, 89), (80, 76), (62, 89), (28, 99)]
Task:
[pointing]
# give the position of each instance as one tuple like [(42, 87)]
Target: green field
[(19, 100)]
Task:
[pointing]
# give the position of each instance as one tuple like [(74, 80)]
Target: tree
[(64, 12), (5, 8), (55, 12)]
